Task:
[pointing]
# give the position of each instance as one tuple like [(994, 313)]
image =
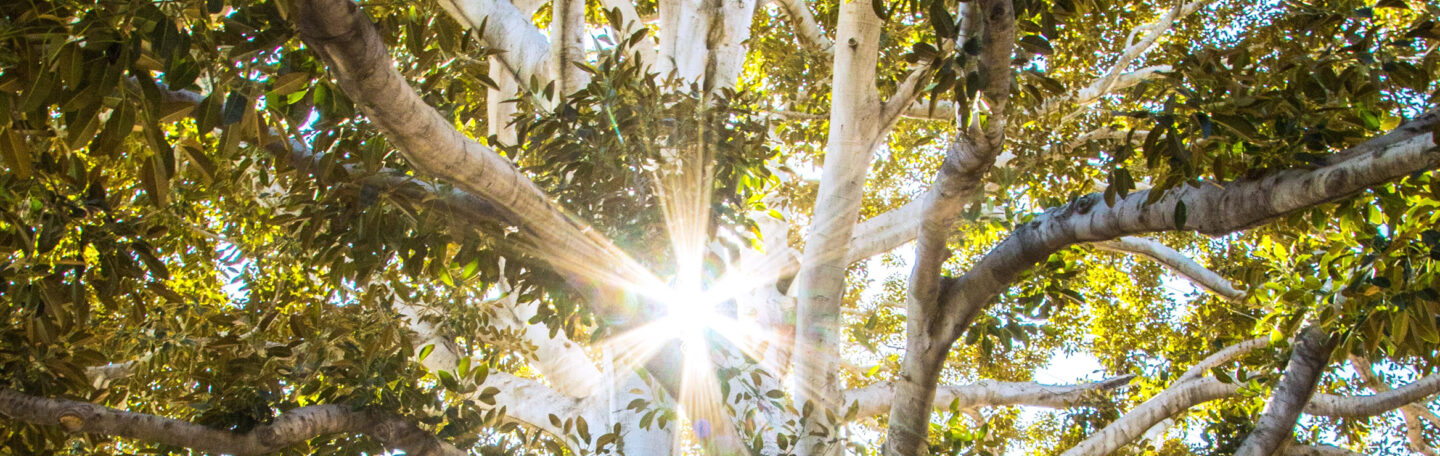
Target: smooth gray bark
[(1308, 360)]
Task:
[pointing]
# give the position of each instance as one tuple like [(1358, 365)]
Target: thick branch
[(525, 50), (567, 32), (875, 399), (345, 38), (1176, 262), (288, 429), (970, 156), (1308, 360), (1298, 449), (854, 133), (1212, 209)]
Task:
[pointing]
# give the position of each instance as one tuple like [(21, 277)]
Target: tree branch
[(525, 50), (1178, 397), (345, 38), (874, 400), (525, 401), (290, 428), (567, 34), (1414, 429), (1299, 449), (1213, 209), (854, 132), (1361, 406), (970, 156), (1115, 78), (1177, 262), (1308, 360), (1221, 357), (805, 26)]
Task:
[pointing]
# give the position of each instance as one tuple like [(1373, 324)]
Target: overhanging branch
[(1176, 262), (290, 428), (874, 400)]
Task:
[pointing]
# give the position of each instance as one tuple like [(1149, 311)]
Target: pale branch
[(681, 22), (1187, 392), (1107, 134), (727, 42), (1308, 359), (969, 158), (904, 100), (921, 109), (806, 28), (1211, 208), (1300, 449), (1361, 406), (525, 401), (906, 93), (1093, 92), (524, 50), (1223, 356), (1112, 77), (855, 130), (632, 23), (1132, 424), (287, 429), (567, 46), (1411, 413), (358, 60), (874, 400), (558, 359), (1177, 262)]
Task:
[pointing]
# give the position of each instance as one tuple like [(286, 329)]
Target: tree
[(479, 226)]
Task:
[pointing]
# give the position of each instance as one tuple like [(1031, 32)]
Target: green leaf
[(1037, 44), (234, 109), (16, 153)]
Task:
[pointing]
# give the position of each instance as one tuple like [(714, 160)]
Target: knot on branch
[(72, 419), (386, 431)]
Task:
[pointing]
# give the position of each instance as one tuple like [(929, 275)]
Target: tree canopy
[(719, 227)]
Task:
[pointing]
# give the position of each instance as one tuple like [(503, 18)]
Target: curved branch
[(290, 428), (1221, 357), (561, 361), (1414, 429), (1361, 406), (1212, 209), (1134, 423), (348, 42), (1176, 262), (874, 400)]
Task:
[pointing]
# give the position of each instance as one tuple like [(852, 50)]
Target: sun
[(689, 313)]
